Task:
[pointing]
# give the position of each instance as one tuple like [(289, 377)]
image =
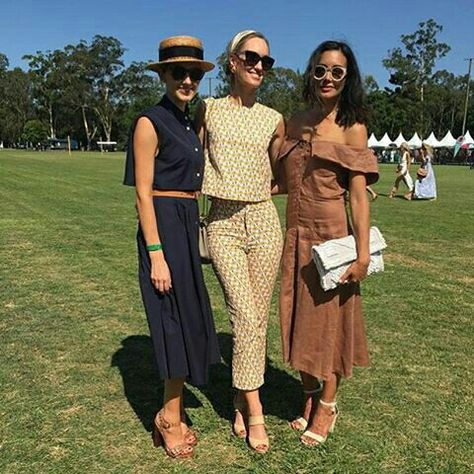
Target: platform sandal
[(161, 425)]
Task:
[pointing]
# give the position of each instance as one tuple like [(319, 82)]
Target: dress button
[(196, 149), (198, 174), (188, 128)]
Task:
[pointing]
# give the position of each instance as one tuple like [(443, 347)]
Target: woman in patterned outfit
[(165, 163), (240, 136)]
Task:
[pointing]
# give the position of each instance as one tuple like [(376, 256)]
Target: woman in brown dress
[(325, 155)]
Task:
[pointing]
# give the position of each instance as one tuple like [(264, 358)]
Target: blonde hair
[(236, 43), (429, 149), (405, 147)]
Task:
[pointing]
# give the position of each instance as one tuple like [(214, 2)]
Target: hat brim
[(201, 64)]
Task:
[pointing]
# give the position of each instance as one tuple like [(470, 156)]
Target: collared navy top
[(179, 164)]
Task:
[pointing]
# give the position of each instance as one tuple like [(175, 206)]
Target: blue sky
[(293, 27)]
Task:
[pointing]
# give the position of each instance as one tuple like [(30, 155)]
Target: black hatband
[(179, 51)]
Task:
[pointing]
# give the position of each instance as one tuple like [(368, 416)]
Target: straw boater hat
[(180, 49)]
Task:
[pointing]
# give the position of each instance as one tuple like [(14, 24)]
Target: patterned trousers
[(245, 243)]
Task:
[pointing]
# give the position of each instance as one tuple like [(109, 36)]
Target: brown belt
[(175, 194)]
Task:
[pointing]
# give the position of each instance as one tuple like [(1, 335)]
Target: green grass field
[(77, 383)]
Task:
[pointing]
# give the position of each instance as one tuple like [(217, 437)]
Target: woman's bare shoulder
[(356, 135)]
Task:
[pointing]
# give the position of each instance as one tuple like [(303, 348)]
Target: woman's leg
[(228, 245), (171, 412), (409, 184), (372, 193), (324, 415), (265, 245), (395, 186), (311, 386)]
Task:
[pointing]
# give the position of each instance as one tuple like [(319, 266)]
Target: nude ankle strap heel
[(260, 445), (239, 429)]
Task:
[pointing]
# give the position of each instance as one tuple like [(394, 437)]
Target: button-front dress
[(181, 324), (323, 332)]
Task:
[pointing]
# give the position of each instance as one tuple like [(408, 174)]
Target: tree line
[(85, 91)]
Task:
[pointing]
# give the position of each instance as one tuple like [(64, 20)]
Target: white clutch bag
[(332, 258)]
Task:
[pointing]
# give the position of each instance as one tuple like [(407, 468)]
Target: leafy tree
[(223, 87), (282, 90), (78, 95), (138, 90), (47, 80), (35, 132), (370, 84), (3, 63), (411, 66), (16, 104), (106, 64)]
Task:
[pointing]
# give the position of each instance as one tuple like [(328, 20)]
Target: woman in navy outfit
[(165, 164)]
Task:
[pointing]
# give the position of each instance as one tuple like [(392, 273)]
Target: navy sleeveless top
[(179, 164)]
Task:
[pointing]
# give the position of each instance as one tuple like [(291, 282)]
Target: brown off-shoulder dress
[(322, 332)]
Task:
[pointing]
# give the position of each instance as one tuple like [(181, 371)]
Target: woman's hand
[(356, 272), (160, 272)]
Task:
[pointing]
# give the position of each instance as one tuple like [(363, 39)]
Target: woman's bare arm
[(145, 148)]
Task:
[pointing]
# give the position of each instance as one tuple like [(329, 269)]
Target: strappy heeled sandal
[(181, 451), (313, 439), (239, 429), (190, 436), (301, 423), (260, 445)]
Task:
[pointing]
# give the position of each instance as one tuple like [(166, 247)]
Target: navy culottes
[(181, 324)]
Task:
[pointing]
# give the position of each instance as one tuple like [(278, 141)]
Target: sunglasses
[(179, 73), (251, 59), (338, 73)]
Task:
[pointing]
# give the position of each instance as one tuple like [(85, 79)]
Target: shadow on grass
[(141, 381), (281, 393)]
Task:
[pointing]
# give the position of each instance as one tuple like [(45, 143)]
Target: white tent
[(448, 141), (432, 140), (415, 141), (373, 142), (399, 140), (385, 141), (468, 138)]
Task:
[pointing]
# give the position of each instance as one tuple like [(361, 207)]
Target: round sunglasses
[(338, 73), (179, 73), (251, 59)]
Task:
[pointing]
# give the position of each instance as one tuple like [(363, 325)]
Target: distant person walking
[(403, 173), (425, 184)]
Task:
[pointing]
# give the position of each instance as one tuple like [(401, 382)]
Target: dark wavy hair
[(352, 102)]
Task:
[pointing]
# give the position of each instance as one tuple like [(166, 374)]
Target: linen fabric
[(322, 332)]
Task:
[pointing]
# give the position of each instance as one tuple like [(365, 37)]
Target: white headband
[(237, 38)]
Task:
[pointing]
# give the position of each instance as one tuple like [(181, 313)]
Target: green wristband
[(154, 247)]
